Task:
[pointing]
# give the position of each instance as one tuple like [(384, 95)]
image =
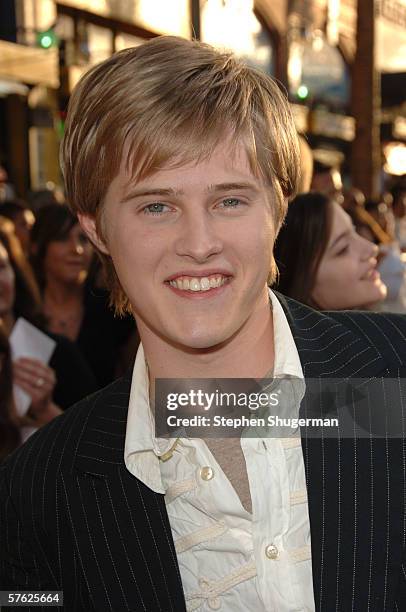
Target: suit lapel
[(121, 527), (327, 347), (350, 488)]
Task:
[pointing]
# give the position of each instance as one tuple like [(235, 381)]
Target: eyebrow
[(232, 187), (138, 193), (157, 191)]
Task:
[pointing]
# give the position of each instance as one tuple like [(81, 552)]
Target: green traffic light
[(302, 92)]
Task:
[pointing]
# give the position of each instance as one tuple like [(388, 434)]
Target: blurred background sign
[(29, 65), (391, 35), (233, 25), (161, 16)]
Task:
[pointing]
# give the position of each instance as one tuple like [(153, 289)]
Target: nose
[(77, 247), (368, 249), (197, 236)]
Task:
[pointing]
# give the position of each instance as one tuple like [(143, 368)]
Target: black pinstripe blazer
[(74, 519)]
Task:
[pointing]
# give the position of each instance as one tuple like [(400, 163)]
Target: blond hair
[(171, 101)]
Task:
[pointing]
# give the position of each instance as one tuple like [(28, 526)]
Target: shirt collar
[(287, 361), (143, 451)]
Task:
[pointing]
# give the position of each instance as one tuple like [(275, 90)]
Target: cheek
[(343, 271), (52, 254), (49, 264), (258, 239), (12, 288), (331, 280), (88, 254), (339, 272), (135, 255)]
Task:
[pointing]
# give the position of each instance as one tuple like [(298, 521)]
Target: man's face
[(192, 248)]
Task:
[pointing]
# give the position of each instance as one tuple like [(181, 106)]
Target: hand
[(38, 381)]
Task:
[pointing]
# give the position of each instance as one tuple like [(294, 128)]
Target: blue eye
[(154, 209), (230, 202)]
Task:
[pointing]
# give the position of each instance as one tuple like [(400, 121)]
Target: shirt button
[(204, 584), (206, 473), (272, 551)]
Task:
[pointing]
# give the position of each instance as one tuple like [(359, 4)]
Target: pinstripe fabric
[(73, 518), (99, 535), (356, 487)]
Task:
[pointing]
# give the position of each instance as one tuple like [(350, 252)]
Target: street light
[(47, 39), (302, 92)]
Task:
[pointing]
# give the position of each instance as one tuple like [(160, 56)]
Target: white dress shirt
[(230, 559)]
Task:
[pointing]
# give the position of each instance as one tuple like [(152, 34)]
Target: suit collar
[(100, 449), (328, 347)]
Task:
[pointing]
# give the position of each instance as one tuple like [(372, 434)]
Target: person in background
[(24, 288), (381, 210), (10, 436), (67, 378), (327, 180), (6, 189), (398, 193), (23, 219), (73, 305), (365, 224), (36, 378), (39, 198), (391, 266), (322, 260), (353, 198)]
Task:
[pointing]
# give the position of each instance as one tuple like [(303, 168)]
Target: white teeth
[(198, 284), (194, 284)]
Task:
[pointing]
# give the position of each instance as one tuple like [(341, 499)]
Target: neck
[(61, 294), (248, 354)]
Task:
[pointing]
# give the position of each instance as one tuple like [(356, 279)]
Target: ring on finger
[(40, 382)]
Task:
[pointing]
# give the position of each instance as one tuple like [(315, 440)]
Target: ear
[(88, 224)]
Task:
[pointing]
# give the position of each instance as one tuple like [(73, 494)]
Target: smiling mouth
[(194, 284)]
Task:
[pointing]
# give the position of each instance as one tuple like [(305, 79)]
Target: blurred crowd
[(52, 290), (336, 250)]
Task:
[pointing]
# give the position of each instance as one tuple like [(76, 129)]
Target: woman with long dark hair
[(10, 437), (322, 260), (67, 378), (74, 305)]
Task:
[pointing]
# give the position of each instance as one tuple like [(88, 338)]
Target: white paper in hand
[(28, 341)]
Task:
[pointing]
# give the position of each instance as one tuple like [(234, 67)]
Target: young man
[(179, 161)]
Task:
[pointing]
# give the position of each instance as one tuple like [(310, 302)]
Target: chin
[(201, 340), (372, 300), (379, 294), (383, 290)]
